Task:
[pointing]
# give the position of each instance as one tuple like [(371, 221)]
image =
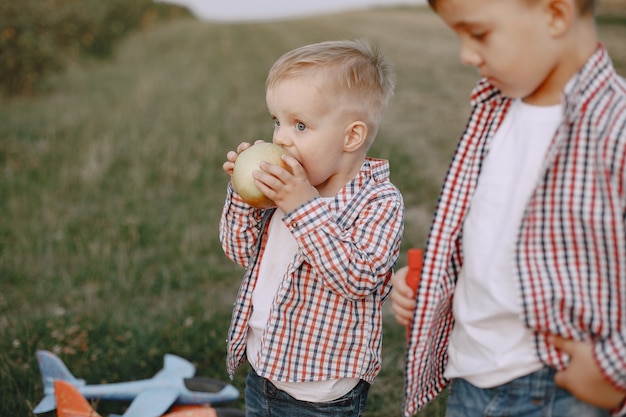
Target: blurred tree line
[(38, 37)]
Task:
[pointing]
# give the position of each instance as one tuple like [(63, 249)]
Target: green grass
[(111, 189)]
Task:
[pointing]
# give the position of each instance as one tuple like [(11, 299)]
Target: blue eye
[(300, 126), (276, 122)]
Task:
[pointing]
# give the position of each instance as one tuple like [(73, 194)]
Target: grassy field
[(111, 189)]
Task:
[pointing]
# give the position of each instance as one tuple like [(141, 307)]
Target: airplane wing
[(155, 402), (152, 403), (175, 367)]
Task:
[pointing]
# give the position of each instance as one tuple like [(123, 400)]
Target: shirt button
[(294, 225)]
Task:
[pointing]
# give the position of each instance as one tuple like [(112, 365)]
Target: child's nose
[(281, 138), (469, 56)]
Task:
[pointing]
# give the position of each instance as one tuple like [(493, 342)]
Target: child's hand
[(402, 297), (583, 378), (287, 190), (231, 156)]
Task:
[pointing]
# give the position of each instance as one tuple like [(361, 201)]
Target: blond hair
[(353, 70)]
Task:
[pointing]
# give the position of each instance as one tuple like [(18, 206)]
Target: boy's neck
[(578, 45), (349, 170)]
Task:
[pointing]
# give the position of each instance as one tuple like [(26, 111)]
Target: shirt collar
[(587, 82), (373, 169)]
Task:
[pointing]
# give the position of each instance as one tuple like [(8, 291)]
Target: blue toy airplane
[(174, 384), (70, 403)]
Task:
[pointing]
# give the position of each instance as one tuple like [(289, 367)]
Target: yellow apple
[(248, 161)]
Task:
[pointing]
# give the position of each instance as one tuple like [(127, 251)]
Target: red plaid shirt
[(326, 319), (570, 255)]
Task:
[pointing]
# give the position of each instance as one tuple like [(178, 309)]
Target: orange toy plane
[(71, 403)]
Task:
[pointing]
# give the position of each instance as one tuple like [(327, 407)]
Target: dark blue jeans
[(534, 395), (263, 399)]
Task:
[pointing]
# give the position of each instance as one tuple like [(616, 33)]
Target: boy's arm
[(356, 261), (239, 228)]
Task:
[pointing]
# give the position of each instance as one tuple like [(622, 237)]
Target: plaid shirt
[(326, 319), (570, 255)]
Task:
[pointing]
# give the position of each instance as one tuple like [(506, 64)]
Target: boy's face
[(310, 125), (510, 42)]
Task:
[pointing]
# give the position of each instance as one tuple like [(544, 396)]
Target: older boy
[(319, 265), (522, 298)]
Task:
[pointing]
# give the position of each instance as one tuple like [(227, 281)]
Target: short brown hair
[(355, 70)]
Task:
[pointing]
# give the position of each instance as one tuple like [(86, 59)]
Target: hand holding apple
[(247, 161), (231, 157)]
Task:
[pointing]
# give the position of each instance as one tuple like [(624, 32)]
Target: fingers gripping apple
[(248, 161)]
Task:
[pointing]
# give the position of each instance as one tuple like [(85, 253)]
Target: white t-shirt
[(489, 344), (282, 247)]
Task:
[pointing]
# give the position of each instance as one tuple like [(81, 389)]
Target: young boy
[(522, 297), (319, 265)]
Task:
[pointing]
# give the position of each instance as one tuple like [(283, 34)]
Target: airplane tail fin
[(70, 402), (52, 368)]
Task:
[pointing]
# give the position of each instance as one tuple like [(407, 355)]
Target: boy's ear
[(561, 14), (356, 136)]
